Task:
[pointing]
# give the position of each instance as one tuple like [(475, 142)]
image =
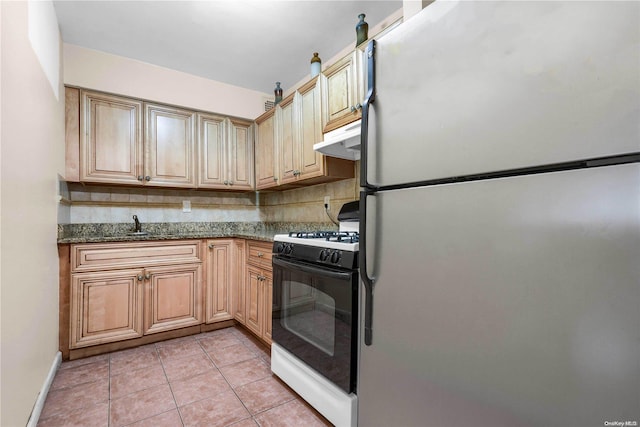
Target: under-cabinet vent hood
[(343, 142)]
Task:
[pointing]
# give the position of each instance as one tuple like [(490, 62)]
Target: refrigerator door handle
[(364, 274), (364, 125)]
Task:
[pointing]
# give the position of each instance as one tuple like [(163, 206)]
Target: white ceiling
[(251, 44)]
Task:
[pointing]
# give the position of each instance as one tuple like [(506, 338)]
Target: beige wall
[(32, 156), (102, 71)]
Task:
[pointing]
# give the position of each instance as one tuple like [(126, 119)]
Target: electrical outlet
[(186, 206)]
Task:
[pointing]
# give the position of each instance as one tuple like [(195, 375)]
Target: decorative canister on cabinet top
[(362, 30), (316, 65), (278, 93)]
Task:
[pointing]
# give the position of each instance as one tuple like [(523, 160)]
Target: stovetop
[(343, 240), (334, 248)]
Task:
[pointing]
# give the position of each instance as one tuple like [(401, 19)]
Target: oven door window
[(314, 308), (309, 312)]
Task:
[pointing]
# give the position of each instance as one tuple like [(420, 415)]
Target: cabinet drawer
[(126, 255), (259, 254)]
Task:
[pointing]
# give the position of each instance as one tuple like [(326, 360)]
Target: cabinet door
[(240, 149), (288, 140), (342, 91), (170, 145), (213, 155), (311, 121), (173, 297), (254, 320), (238, 283), (105, 307), (110, 139), (268, 303), (266, 154), (219, 280)]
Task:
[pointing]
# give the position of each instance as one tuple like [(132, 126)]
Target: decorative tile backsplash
[(87, 204)]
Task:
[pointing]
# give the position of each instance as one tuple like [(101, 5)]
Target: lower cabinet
[(121, 291), (238, 287), (218, 283), (258, 289), (106, 307), (113, 292), (173, 297)]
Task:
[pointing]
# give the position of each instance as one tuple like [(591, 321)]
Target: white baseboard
[(42, 397)]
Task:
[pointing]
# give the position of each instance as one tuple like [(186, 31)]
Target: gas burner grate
[(310, 234), (344, 237), (330, 236)]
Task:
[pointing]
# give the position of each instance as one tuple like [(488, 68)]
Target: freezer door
[(510, 302), (473, 87)]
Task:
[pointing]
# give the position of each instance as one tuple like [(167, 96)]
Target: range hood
[(343, 142)]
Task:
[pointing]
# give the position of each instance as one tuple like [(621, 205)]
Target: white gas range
[(315, 316)]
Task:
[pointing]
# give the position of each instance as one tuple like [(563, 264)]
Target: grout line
[(169, 384)]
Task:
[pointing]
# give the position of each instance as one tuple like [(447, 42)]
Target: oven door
[(315, 317)]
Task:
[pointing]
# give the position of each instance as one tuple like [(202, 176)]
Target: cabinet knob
[(275, 179), (356, 107), (140, 177), (230, 182), (147, 276), (210, 245), (147, 178), (140, 277), (260, 254), (226, 182)]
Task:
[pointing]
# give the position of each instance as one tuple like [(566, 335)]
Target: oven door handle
[(311, 269)]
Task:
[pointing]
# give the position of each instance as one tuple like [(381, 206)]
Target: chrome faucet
[(138, 226)]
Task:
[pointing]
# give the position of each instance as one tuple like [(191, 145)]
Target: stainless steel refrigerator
[(500, 217)]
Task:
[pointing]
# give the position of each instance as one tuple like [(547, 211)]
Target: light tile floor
[(218, 378)]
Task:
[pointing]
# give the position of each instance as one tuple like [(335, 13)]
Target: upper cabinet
[(111, 144), (299, 121), (225, 153), (170, 146), (116, 148), (266, 151), (344, 91), (117, 140), (288, 139), (240, 154)]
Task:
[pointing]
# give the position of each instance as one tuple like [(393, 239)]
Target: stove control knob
[(280, 248), (288, 248), (335, 257), (324, 255)]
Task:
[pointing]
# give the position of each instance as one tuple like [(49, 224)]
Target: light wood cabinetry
[(238, 283), (266, 151), (288, 139), (241, 154), (225, 153), (221, 279), (311, 163), (118, 140), (173, 297), (111, 144), (299, 121), (170, 145), (258, 289), (72, 133), (106, 306), (127, 290), (344, 91)]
